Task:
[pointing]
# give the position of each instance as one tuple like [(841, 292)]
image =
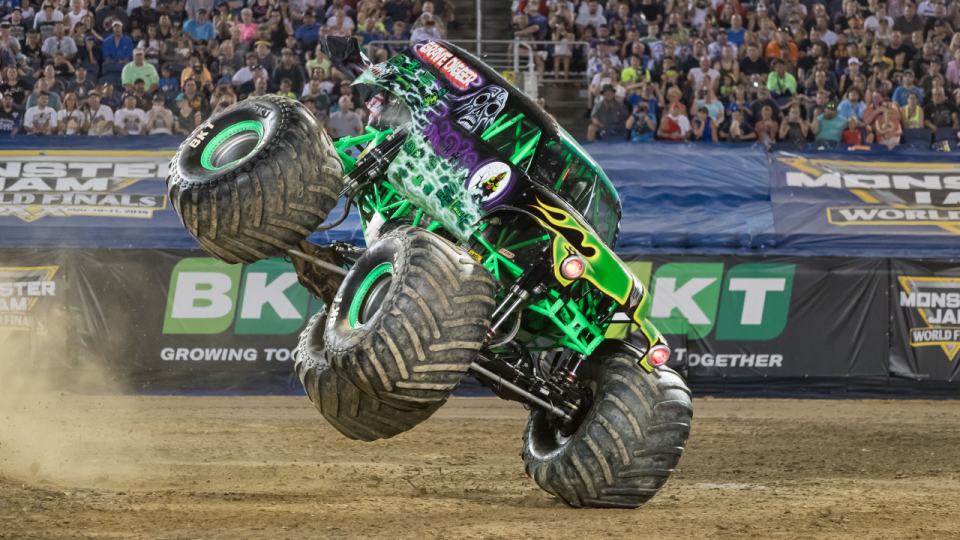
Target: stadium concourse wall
[(821, 273)]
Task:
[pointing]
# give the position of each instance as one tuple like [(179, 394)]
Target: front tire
[(409, 319), (351, 412), (255, 180), (627, 444)]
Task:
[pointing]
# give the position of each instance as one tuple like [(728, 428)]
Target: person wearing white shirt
[(873, 21), (98, 119), (40, 120), (47, 14), (928, 8), (592, 16), (77, 12), (70, 118), (129, 120), (159, 119)]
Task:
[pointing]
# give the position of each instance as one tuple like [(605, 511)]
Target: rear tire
[(409, 319), (351, 412), (628, 443), (255, 180)]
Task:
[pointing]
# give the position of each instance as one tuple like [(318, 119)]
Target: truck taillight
[(659, 355)]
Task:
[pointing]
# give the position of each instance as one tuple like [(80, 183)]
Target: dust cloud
[(48, 437)]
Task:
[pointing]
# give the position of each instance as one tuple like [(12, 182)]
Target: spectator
[(887, 126), (144, 16), (398, 11), (698, 74), (851, 133), (906, 89), (98, 118), (767, 128), (43, 85), (78, 10), (107, 15), (8, 43), (289, 69), (247, 26), (940, 112), (70, 118), (40, 119), (783, 48), (32, 48), (703, 127), (592, 16), (47, 16), (285, 86), (781, 82), (642, 124), (829, 126), (707, 99), (224, 98), (198, 72), (196, 99), (912, 113), (193, 8), (200, 27), (159, 119), (228, 58), (794, 128), (910, 22), (138, 69), (59, 42), (308, 33), (118, 47), (187, 117), (168, 84), (18, 88), (753, 65), (738, 129), (852, 107), (260, 87), (264, 57), (345, 122), (429, 30), (144, 99), (608, 118), (10, 115), (674, 126), (129, 120)]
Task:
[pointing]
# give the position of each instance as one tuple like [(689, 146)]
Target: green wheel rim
[(232, 145), (357, 304)]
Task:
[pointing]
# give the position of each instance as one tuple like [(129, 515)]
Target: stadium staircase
[(566, 102)]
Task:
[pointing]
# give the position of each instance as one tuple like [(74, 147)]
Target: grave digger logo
[(933, 306), (64, 184), (21, 289), (889, 193)]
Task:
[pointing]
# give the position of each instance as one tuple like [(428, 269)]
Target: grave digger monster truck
[(489, 236)]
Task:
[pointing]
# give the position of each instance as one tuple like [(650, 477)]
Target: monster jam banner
[(925, 304), (769, 317), (862, 201)]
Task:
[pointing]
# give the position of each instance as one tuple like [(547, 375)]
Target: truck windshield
[(580, 182)]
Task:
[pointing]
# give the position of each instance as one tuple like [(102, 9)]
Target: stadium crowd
[(851, 71), (130, 68)]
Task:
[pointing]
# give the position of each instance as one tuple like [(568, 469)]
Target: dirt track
[(239, 468)]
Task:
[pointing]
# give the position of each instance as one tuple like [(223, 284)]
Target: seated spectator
[(783, 47), (151, 44), (829, 125), (167, 83), (108, 97), (905, 89), (196, 98), (129, 120), (642, 124), (40, 119), (703, 72), (819, 84), (143, 16), (285, 86), (106, 15), (43, 86), (139, 69), (308, 33), (738, 129), (32, 49), (887, 128), (781, 82), (10, 115), (117, 47), (12, 83), (430, 30), (912, 114), (264, 57), (940, 112), (47, 17), (187, 118), (289, 69), (70, 117), (144, 98), (201, 27), (247, 26), (78, 10), (260, 87), (608, 119), (851, 133), (198, 72), (59, 42), (853, 106), (674, 126), (159, 119), (398, 39), (223, 97), (345, 122), (706, 99), (817, 107), (98, 118), (767, 128), (703, 127), (794, 128)]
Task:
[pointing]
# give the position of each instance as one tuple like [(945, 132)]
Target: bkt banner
[(777, 316), (177, 320)]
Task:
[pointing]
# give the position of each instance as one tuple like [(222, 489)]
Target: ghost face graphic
[(475, 112)]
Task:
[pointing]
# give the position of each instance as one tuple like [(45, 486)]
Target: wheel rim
[(232, 145), (366, 303)]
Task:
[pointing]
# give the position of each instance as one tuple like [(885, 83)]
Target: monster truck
[(489, 236)]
